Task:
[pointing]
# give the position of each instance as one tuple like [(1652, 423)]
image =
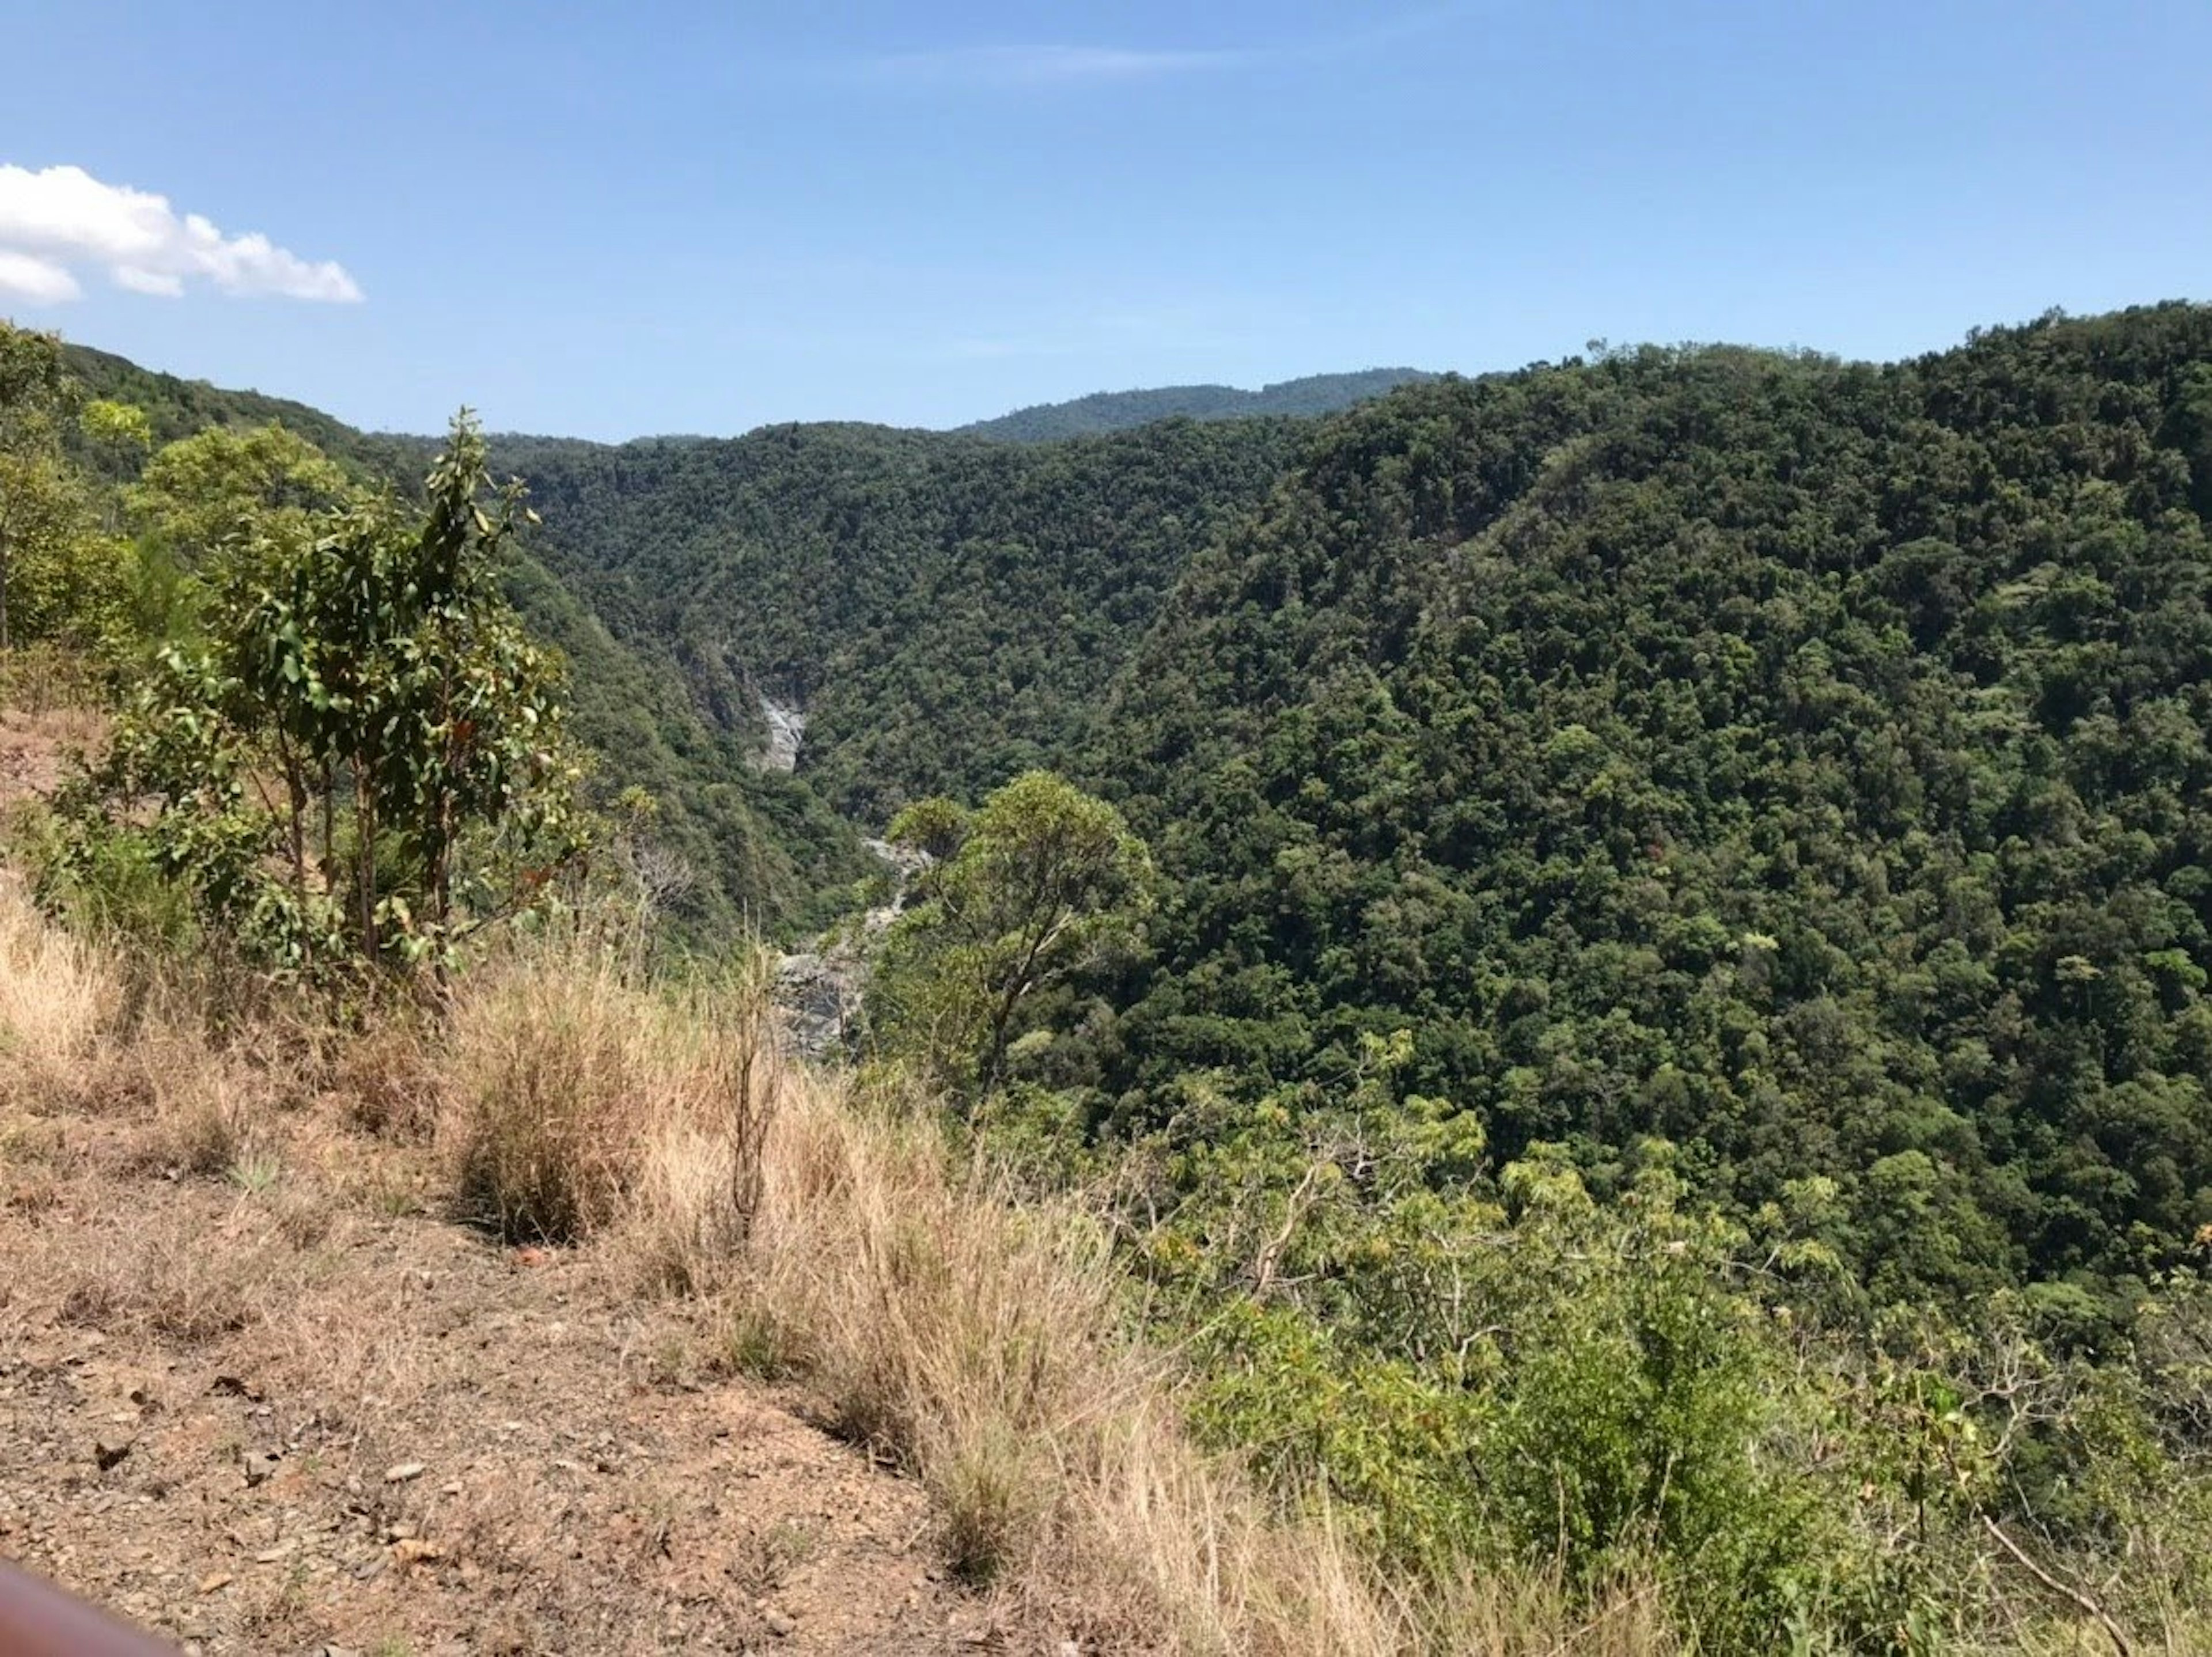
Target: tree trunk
[(364, 807), (437, 836), (295, 806), (1024, 979)]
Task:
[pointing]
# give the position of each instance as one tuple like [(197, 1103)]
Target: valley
[(1617, 951)]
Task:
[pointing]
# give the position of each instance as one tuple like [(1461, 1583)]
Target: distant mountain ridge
[(180, 406), (1116, 411)]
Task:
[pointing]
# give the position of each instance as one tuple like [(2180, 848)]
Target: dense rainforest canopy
[(946, 611), (1801, 761)]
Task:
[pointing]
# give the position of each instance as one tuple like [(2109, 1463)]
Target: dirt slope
[(216, 1390), (279, 1420)]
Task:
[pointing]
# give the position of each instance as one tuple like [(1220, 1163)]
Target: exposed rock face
[(787, 729), (819, 998), (819, 990)]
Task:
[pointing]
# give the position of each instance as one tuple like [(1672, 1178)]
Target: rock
[(109, 1449), (780, 1626), (215, 1582), (786, 730), (270, 1555), (404, 1472)]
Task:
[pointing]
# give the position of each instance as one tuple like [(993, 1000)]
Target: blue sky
[(608, 221)]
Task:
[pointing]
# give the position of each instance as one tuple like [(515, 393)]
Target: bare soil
[(259, 1420), (37, 749), (282, 1404)]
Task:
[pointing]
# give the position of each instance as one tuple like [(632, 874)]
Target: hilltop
[(1113, 411)]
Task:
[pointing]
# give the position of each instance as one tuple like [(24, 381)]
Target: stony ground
[(258, 1420)]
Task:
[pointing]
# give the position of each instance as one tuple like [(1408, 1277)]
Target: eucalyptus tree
[(1039, 881)]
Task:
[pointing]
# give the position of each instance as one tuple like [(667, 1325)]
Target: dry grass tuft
[(582, 1103), (386, 1078), (60, 1000), (984, 1344), (168, 1279)]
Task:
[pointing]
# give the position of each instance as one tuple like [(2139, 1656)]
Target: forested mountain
[(1803, 761), (176, 408), (1115, 412), (1628, 945), (764, 850), (945, 611)]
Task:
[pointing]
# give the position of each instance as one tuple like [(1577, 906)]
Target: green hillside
[(1801, 761), (1115, 412), (176, 408), (764, 851), (945, 611)]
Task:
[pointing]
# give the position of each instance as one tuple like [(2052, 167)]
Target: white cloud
[(147, 281), (62, 218), (37, 282)]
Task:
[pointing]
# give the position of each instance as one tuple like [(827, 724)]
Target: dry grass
[(60, 998), (582, 1103), (980, 1341), (40, 681), (386, 1078), (169, 1279)]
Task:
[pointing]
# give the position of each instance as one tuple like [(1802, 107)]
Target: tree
[(41, 503), (205, 490), (368, 717), (119, 434), (1035, 885)]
